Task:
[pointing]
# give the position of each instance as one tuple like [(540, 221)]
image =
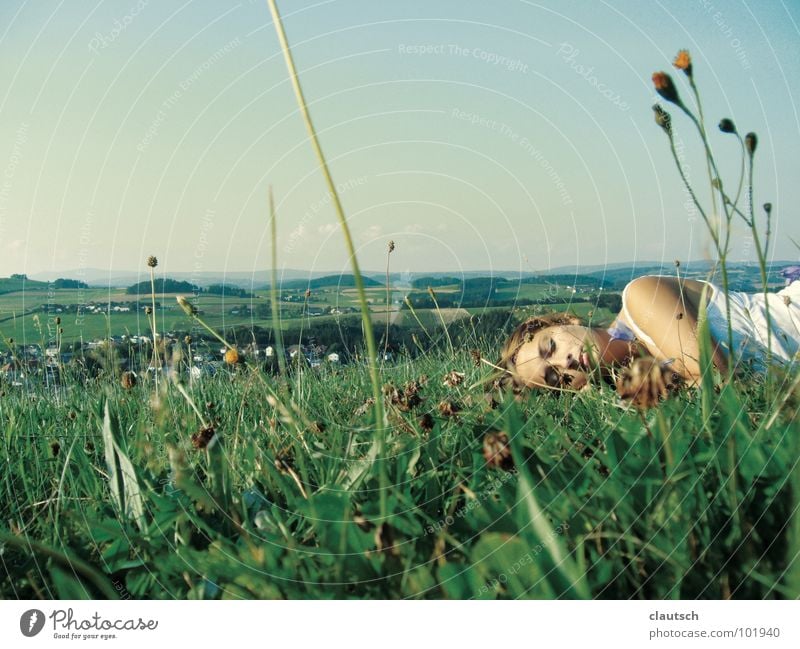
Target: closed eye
[(552, 377), (548, 349)]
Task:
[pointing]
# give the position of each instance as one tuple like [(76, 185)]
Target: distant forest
[(167, 285)]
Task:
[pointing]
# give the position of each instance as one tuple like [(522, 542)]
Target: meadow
[(247, 485)]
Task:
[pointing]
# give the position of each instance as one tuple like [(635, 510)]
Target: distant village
[(23, 364)]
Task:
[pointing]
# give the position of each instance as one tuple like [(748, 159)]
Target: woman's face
[(556, 357)]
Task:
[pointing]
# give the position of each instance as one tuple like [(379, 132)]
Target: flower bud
[(666, 88), (663, 119), (750, 143), (188, 307), (727, 126)]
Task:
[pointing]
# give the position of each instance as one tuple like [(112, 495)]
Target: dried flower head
[(385, 540), (683, 62), (391, 246), (308, 293), (453, 378), (666, 87), (476, 357), (677, 263), (426, 422), (787, 300), (750, 143), (148, 310), (448, 408), (188, 308), (55, 447), (496, 450), (364, 407), (646, 382), (284, 462), (58, 320), (203, 437), (768, 208), (128, 380), (663, 119), (152, 262), (727, 126), (188, 340), (231, 356)]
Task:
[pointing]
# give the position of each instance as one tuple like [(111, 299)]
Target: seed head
[(448, 408), (787, 300), (727, 126), (646, 382), (453, 378), (391, 246), (148, 310), (188, 308), (677, 263), (58, 320), (308, 293), (128, 380), (666, 88), (683, 62), (231, 356), (663, 119), (496, 451), (10, 341), (426, 422), (750, 143), (188, 340), (152, 261), (203, 437), (768, 208), (476, 357)]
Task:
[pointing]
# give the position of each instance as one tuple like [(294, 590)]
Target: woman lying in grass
[(658, 319)]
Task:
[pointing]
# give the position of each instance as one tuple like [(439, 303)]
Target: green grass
[(286, 504)]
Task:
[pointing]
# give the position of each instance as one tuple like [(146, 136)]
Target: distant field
[(19, 311)]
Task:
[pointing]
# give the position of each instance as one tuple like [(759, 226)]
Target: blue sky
[(505, 135)]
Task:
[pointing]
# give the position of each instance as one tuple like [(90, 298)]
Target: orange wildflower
[(683, 62), (665, 87)]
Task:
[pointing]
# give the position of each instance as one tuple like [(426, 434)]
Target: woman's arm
[(667, 311)]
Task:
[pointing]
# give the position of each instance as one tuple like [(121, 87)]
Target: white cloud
[(372, 232)]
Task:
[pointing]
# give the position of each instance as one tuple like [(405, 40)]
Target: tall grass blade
[(369, 334), (121, 474)]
